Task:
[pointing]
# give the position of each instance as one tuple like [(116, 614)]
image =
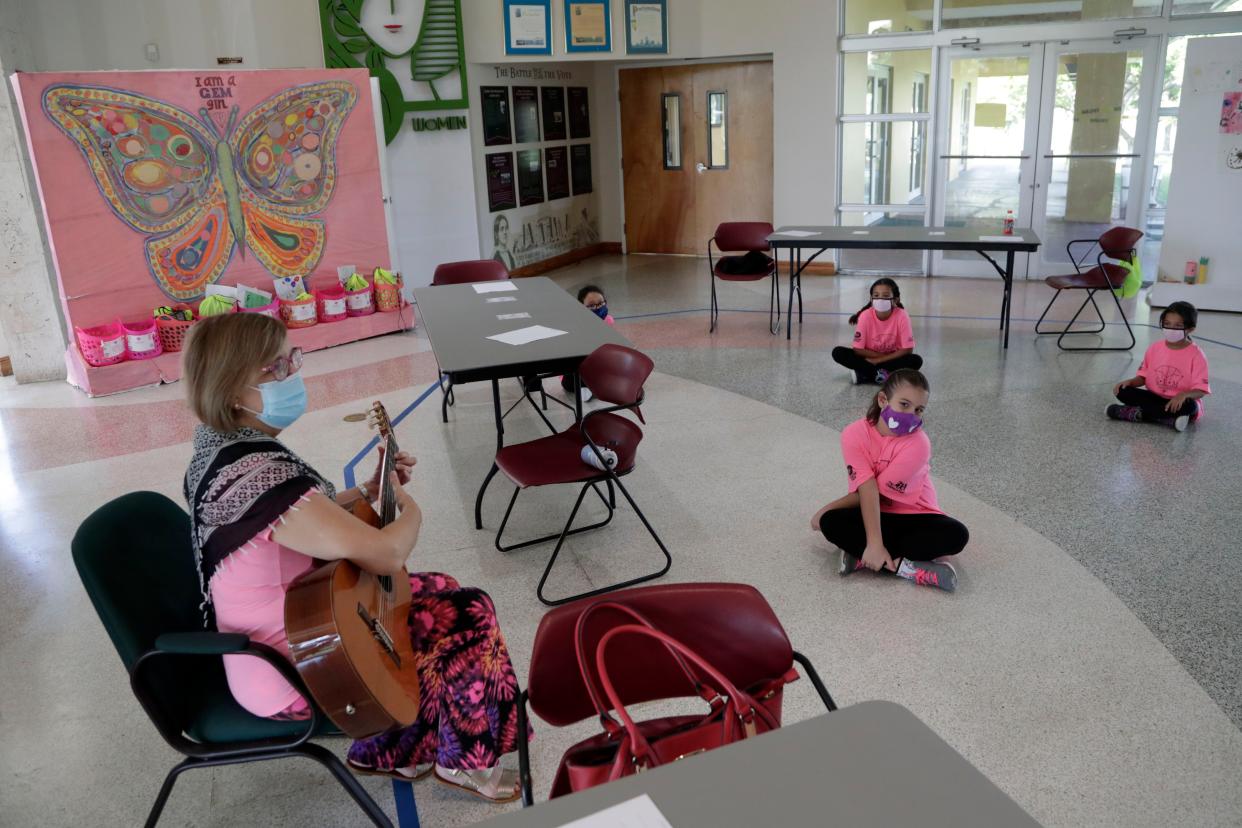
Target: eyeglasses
[(285, 366), (596, 305)]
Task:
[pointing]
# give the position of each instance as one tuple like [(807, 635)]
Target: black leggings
[(917, 537), (866, 371), (1152, 404)]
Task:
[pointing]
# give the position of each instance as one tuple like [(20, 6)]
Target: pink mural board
[(157, 184)]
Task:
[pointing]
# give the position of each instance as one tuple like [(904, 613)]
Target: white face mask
[(1174, 335), (882, 305)]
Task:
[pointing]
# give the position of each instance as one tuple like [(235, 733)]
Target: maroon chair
[(1117, 243), (616, 375), (473, 270), (731, 625), (461, 273), (750, 262)]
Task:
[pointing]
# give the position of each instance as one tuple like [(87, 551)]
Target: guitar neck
[(388, 497)]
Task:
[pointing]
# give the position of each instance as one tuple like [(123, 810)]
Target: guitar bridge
[(380, 634)]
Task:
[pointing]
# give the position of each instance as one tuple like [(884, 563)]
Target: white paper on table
[(797, 234), (639, 812), (935, 232), (504, 316), (999, 238), (501, 299), (522, 336), (861, 233), (494, 287)]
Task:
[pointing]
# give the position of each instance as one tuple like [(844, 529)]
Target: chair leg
[(1103, 324), (714, 314), (560, 537), (668, 559), (528, 786), (161, 799), (347, 781), (1039, 321), (816, 682), (478, 500)]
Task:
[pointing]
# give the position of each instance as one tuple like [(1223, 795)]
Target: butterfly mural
[(199, 192)]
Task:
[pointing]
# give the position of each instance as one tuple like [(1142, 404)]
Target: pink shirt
[(884, 335), (248, 593), (900, 466), (1170, 371)]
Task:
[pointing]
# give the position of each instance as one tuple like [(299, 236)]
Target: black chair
[(1117, 243), (136, 563)]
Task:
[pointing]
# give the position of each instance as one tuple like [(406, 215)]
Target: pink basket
[(388, 297), (142, 339), (102, 344), (331, 304), (271, 309), (360, 302), (298, 313)]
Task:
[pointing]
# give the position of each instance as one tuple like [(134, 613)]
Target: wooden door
[(676, 210)]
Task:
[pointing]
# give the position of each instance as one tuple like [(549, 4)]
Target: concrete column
[(30, 314)]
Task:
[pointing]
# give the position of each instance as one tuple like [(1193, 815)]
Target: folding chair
[(731, 625), (460, 273), (134, 557), (616, 375), (1117, 243), (743, 237)]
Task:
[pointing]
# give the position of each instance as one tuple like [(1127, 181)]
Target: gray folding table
[(820, 239), (872, 764), (459, 320)]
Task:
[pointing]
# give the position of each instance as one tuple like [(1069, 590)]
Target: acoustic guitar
[(348, 630)]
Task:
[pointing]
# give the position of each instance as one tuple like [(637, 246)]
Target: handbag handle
[(744, 708), (707, 694)]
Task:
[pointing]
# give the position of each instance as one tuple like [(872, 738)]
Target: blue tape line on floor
[(350, 482)]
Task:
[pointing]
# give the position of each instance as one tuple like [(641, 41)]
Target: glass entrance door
[(988, 127), (1092, 143)]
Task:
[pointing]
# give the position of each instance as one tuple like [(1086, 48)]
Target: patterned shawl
[(237, 485)]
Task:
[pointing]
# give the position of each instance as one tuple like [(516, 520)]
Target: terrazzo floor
[(1089, 664)]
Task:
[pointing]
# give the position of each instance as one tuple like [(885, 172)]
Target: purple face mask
[(900, 422)]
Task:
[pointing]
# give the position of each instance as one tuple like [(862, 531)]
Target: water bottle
[(1009, 223), (610, 457)]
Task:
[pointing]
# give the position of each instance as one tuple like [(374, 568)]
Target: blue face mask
[(283, 401), (601, 311)]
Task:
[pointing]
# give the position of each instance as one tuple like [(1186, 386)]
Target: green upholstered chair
[(135, 560)]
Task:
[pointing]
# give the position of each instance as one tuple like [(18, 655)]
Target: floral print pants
[(467, 717)]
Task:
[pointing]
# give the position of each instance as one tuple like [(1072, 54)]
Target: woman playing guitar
[(262, 517)]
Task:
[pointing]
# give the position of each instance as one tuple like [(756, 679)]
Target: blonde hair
[(220, 355)]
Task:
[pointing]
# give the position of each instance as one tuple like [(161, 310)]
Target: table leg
[(500, 443), (1007, 308), (799, 289), (793, 280)]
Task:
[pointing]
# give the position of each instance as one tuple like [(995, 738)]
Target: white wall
[(1205, 195), (430, 176), (800, 35)]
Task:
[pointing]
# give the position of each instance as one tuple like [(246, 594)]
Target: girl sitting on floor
[(594, 300), (883, 338), (1174, 371), (890, 520)]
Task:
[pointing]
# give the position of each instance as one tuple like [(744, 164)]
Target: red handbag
[(627, 747)]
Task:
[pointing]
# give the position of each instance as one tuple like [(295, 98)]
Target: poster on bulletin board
[(528, 27), (580, 168), (588, 26), (497, 125), (579, 113), (552, 101), (556, 165), (525, 114), (501, 189), (530, 177)]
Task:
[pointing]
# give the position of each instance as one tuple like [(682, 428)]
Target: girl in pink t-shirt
[(890, 520), (1174, 371), (883, 338)]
